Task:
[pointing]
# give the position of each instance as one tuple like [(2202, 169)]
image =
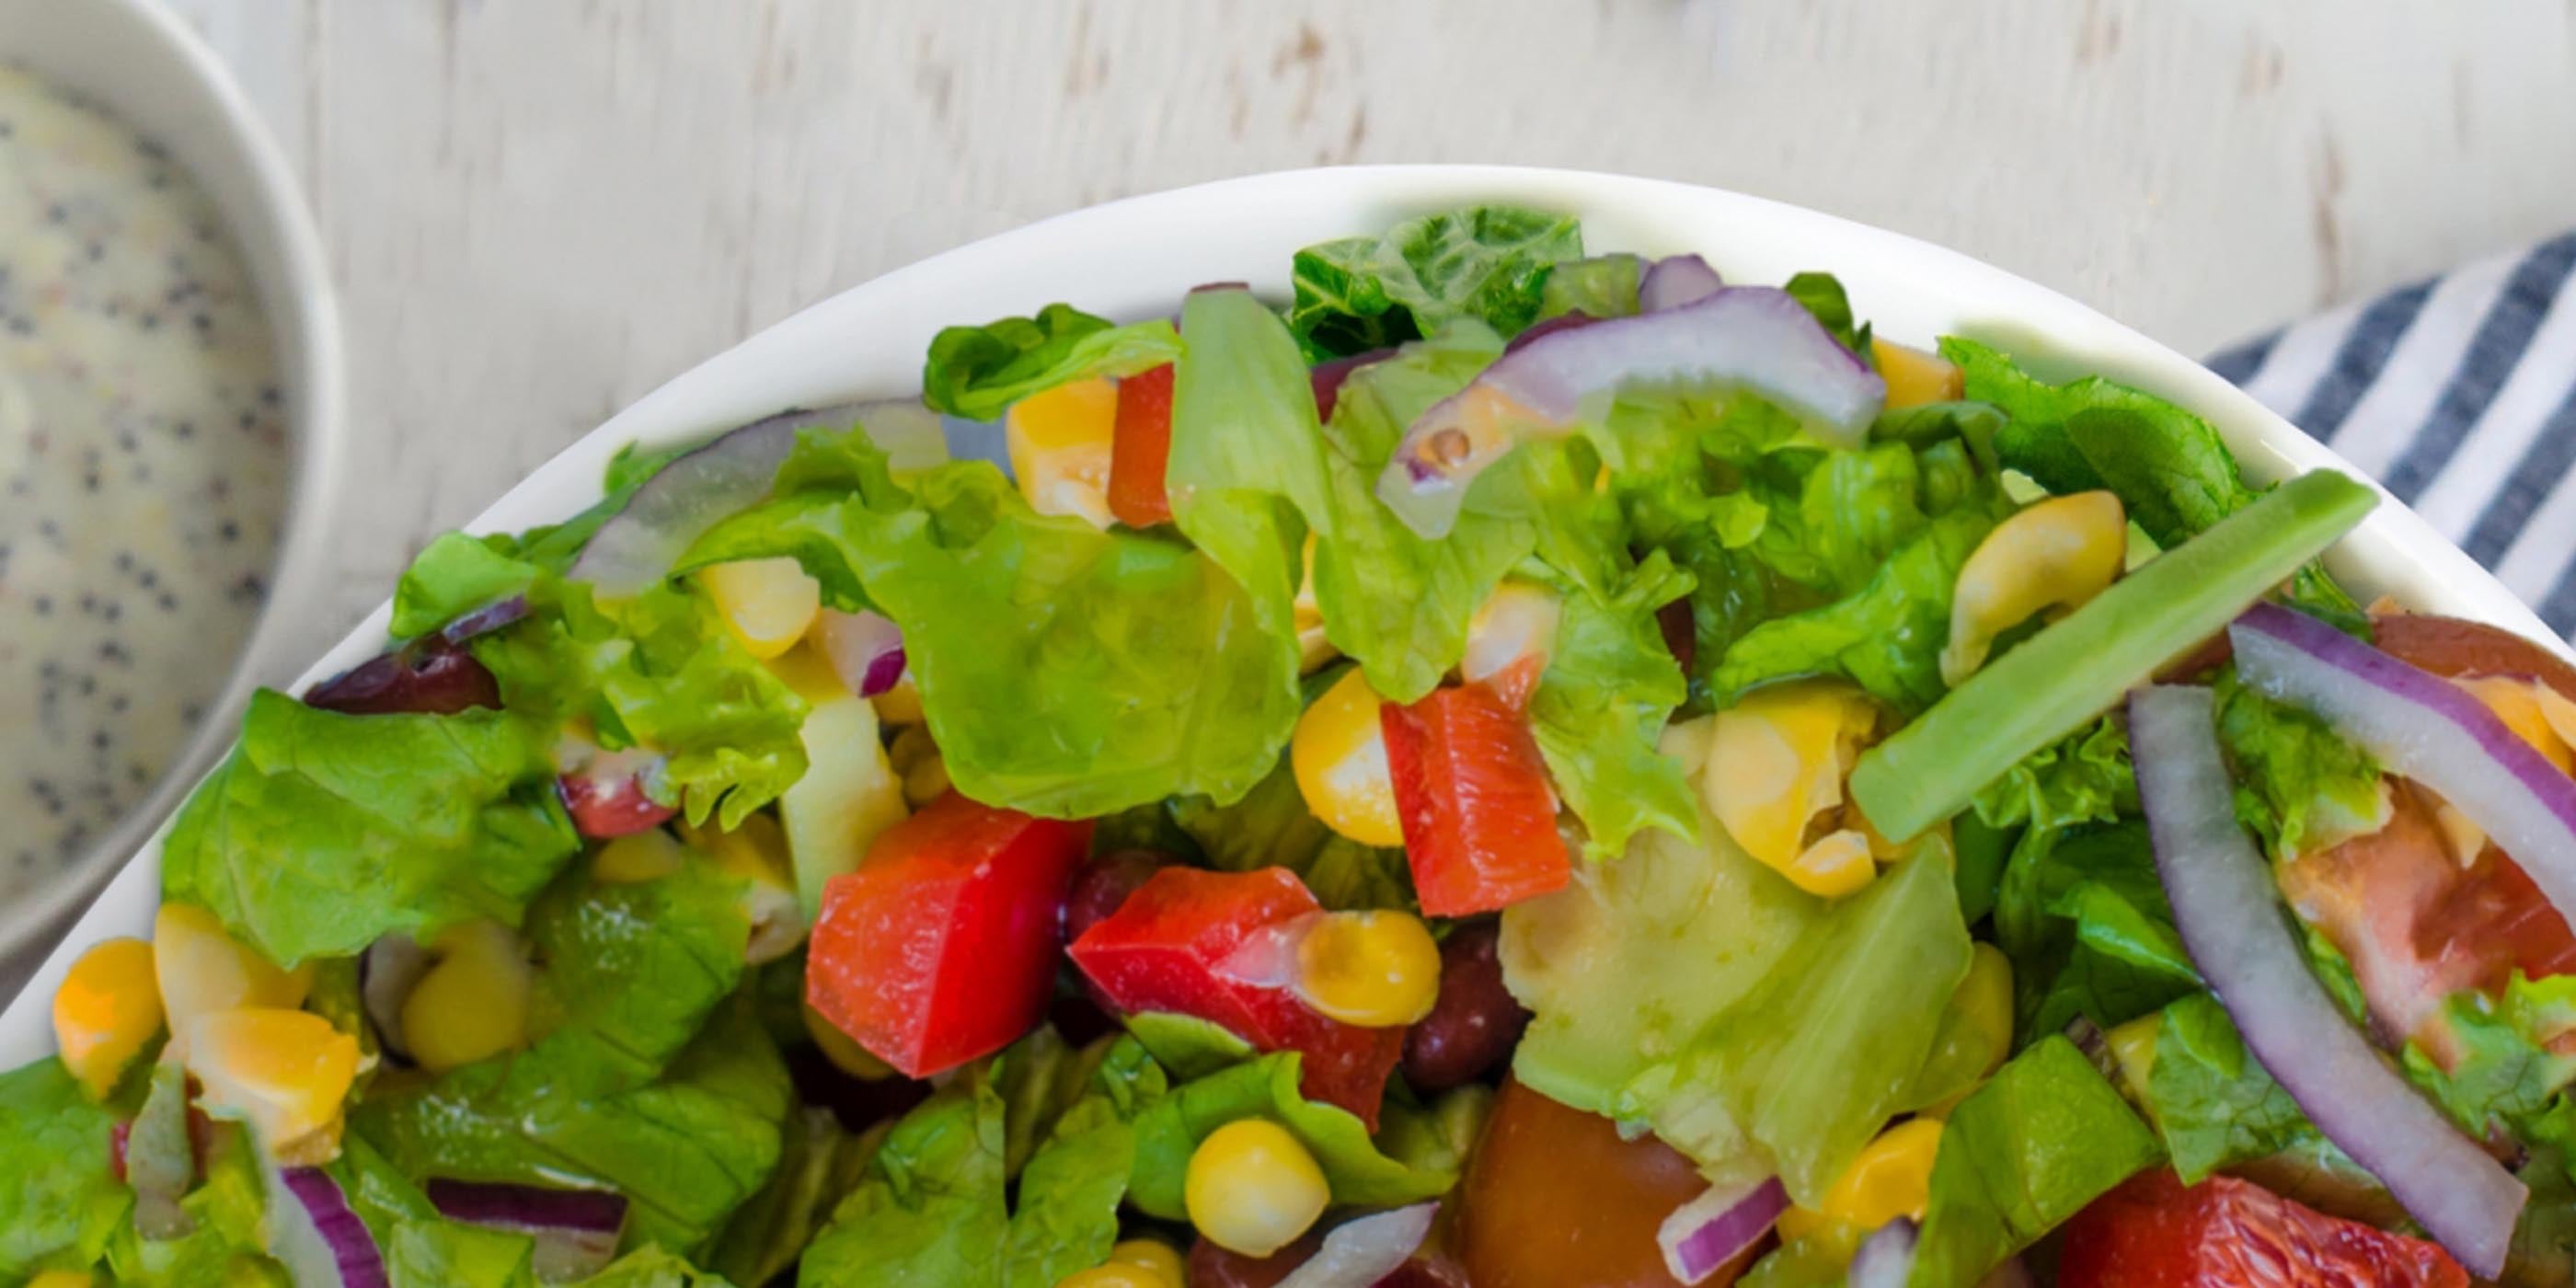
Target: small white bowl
[(1133, 258), (146, 68)]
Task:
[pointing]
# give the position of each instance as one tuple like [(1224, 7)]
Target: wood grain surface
[(539, 209)]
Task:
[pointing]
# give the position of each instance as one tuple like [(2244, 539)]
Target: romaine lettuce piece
[(978, 371), (322, 832), (1489, 263), (59, 1203)]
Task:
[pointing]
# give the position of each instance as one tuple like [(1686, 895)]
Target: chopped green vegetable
[(1266, 1087), (2026, 1151), (58, 1202), (2071, 671)]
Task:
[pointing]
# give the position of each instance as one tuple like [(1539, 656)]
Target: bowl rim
[(297, 298), (1132, 256)]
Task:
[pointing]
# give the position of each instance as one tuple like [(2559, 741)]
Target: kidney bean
[(1474, 1023), (433, 677), (1103, 883)]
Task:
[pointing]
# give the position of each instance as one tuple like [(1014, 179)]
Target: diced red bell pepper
[(2154, 1232), (941, 947), (1479, 816), (1140, 448), (1165, 949)]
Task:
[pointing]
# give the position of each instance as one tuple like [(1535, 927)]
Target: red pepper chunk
[(1166, 949), (941, 947), (1140, 449), (2154, 1232), (1479, 816)]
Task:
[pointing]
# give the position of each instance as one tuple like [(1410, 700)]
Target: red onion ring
[(2229, 913), (1358, 1254), (1676, 280), (865, 650), (318, 1236), (1718, 1226)]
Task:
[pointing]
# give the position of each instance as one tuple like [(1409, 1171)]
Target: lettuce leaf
[(685, 1150), (2046, 1136), (1887, 637), (1679, 988), (1489, 263), (421, 1248), (2168, 466), (1065, 671), (1272, 828), (978, 371), (2213, 1104), (936, 1205), (819, 1163), (1603, 286), (454, 575), (59, 1203), (1396, 602), (226, 1243), (1600, 708), (1822, 295), (322, 832), (632, 969), (659, 670), (2507, 1076), (2299, 785)]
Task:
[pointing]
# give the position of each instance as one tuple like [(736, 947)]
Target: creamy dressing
[(143, 468)]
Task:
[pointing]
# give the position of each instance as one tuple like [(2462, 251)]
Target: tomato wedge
[(1141, 449), (2416, 925), (1479, 816), (2153, 1232), (1168, 946), (941, 947)]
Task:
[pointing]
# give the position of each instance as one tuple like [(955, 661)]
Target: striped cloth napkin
[(2460, 395)]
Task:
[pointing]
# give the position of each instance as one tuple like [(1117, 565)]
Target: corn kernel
[(1338, 754), (1154, 1255), (1373, 969), (473, 1004), (2133, 1046), (638, 857), (283, 1072), (1252, 1188), (844, 1051), (1778, 758), (1060, 446), (1313, 648), (766, 603), (900, 705), (108, 1008), (1117, 1274), (1838, 864), (916, 758), (756, 853), (2519, 704), (2055, 554), (63, 1279), (1891, 1178), (1915, 377), (202, 970)]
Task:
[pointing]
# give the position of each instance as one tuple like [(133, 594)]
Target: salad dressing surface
[(143, 467)]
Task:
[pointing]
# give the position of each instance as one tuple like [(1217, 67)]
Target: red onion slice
[(485, 620), (2229, 913), (314, 1232), (1886, 1257), (1753, 338), (1676, 280), (865, 649), (576, 1231), (1718, 1226), (636, 547), (2426, 728), (1357, 1254)]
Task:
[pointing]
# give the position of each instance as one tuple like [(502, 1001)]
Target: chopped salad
[(1524, 767)]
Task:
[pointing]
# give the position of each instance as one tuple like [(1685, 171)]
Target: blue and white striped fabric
[(2460, 395)]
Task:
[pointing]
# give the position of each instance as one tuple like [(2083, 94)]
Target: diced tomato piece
[(1479, 817), (2153, 1232), (612, 805), (941, 947), (1141, 448), (1167, 947)]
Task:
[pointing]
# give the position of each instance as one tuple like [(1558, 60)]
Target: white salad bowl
[(1134, 258), (146, 67)]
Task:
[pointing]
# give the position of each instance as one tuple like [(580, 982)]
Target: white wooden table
[(539, 209)]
